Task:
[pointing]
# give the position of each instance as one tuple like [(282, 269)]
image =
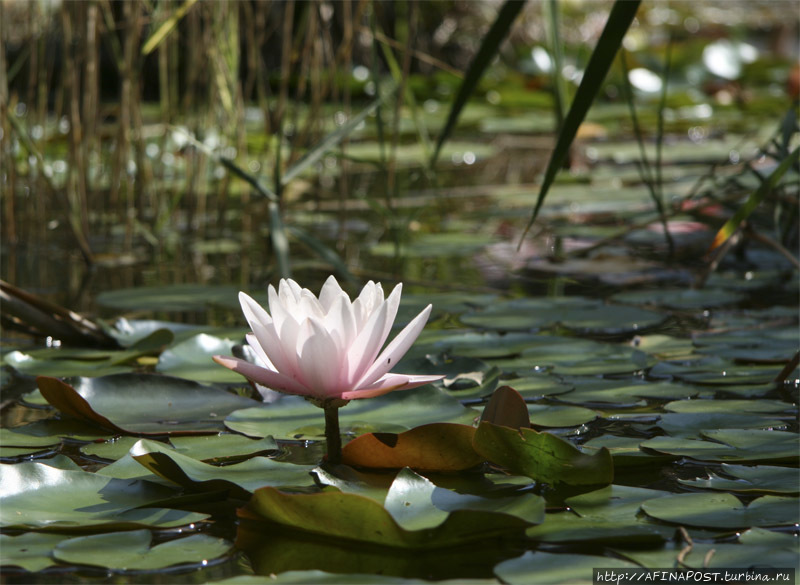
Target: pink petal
[(263, 376), (396, 349), (367, 344), (324, 366), (252, 341), (330, 292), (389, 383)]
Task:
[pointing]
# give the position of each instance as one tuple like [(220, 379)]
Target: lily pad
[(732, 445), (723, 510), (173, 297), (192, 360), (679, 298), (547, 415), (30, 551), (239, 479), (291, 417), (415, 515), (133, 550), (37, 496), (553, 569), (625, 451), (745, 479), (730, 406), (542, 456), (143, 403), (436, 446)]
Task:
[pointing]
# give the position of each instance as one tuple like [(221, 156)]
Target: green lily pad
[(416, 514), (713, 510), (133, 550), (525, 314), (64, 361), (173, 297), (143, 403), (625, 451), (540, 385), (239, 479), (731, 406), (221, 447), (758, 479), (553, 569), (37, 496), (192, 360), (487, 344), (30, 551), (546, 415), (114, 448), (608, 515), (687, 424), (676, 298), (592, 391), (291, 417), (542, 456), (713, 555), (732, 445)]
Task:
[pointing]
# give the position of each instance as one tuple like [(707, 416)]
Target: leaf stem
[(332, 436)]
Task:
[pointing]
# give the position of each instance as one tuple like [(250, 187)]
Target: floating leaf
[(436, 446), (133, 550), (759, 479), (723, 510), (548, 415), (542, 456), (30, 551), (172, 297), (143, 403), (625, 451), (291, 417), (34, 495), (553, 569), (679, 298), (729, 406), (732, 445), (192, 360), (416, 514), (239, 478), (507, 408), (608, 515)]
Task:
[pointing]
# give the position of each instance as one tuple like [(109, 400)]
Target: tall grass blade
[(327, 143), (755, 198), (488, 49), (166, 27), (622, 14)]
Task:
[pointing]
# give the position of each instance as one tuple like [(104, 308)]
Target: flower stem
[(332, 436)]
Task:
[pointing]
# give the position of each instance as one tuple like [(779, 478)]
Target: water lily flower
[(327, 349)]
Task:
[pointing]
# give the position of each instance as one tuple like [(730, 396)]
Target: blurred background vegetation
[(157, 142)]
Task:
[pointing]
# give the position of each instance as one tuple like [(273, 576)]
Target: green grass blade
[(755, 198), (166, 27), (488, 49), (327, 143), (622, 14)]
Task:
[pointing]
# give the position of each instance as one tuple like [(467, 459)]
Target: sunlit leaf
[(133, 550), (542, 456), (143, 403), (553, 569), (723, 510), (744, 479), (31, 551), (34, 495), (436, 446)]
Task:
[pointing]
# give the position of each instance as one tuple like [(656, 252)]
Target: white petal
[(323, 365), (309, 305), (396, 349), (253, 312), (339, 322), (264, 376), (389, 383), (253, 342), (367, 344), (330, 292)]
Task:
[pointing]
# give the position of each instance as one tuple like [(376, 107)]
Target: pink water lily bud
[(328, 348)]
